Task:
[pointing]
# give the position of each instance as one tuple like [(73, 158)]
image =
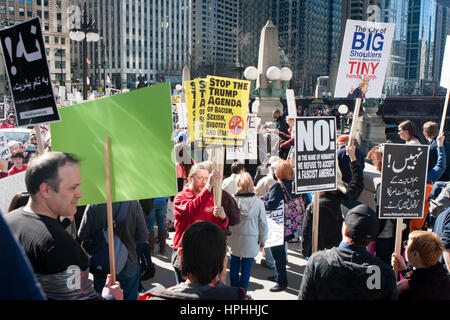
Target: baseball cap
[(361, 221)]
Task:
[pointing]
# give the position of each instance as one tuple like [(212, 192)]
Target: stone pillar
[(268, 56), (370, 130)]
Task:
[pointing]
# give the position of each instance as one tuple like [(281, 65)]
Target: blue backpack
[(99, 258)]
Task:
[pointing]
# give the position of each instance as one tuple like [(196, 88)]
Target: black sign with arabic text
[(403, 181), (28, 73)]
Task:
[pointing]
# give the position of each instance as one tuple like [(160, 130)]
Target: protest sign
[(139, 124), (445, 80), (292, 108), (176, 99), (189, 87), (275, 223), (10, 186), (249, 150), (224, 122), (403, 180), (5, 152), (182, 115), (200, 108), (445, 74), (315, 165), (28, 73), (364, 59)]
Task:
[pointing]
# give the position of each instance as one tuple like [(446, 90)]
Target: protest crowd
[(45, 232), (66, 237)]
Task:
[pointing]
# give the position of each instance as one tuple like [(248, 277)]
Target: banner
[(2, 111), (275, 223), (27, 68), (139, 124), (10, 186), (315, 145), (403, 181), (445, 74), (364, 59), (249, 150), (200, 108), (227, 105)]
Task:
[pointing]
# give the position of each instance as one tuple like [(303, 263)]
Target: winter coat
[(330, 216), (252, 230), (430, 283), (347, 273), (195, 291)]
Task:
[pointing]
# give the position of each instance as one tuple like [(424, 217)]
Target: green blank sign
[(139, 124)]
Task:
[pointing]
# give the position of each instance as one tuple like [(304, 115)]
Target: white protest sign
[(10, 186), (275, 223), (249, 150), (445, 75), (364, 59), (182, 115), (5, 152), (292, 108)]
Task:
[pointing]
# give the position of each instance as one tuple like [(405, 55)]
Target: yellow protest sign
[(200, 105), (189, 87), (176, 99), (226, 113)]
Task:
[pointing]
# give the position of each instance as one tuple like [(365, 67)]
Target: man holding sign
[(53, 182)]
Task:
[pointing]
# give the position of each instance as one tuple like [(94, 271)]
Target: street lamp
[(343, 109), (86, 33), (275, 76)]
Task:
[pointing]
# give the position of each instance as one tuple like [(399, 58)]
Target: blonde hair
[(428, 245), (244, 183), (284, 170)]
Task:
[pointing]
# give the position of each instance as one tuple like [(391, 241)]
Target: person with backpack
[(130, 228)]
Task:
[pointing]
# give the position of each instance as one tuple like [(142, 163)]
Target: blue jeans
[(279, 254), (158, 212), (269, 258), (244, 265), (128, 279)]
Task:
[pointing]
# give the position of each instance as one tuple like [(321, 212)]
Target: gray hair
[(196, 167)]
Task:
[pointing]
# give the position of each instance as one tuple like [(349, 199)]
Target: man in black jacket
[(350, 272), (280, 122), (330, 219)]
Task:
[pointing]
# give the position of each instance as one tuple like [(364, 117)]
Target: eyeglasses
[(400, 130), (200, 178)]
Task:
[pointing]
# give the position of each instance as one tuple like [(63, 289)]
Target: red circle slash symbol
[(236, 125)]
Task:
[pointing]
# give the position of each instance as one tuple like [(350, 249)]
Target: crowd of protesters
[(352, 241)]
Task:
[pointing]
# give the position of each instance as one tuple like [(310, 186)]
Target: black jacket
[(183, 291), (345, 274), (330, 217)]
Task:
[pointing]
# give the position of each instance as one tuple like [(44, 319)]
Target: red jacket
[(14, 169), (188, 209)]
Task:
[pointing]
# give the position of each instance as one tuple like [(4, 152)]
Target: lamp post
[(343, 109), (85, 33)]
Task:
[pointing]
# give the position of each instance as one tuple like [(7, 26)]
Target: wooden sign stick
[(40, 146), (217, 159), (315, 226), (398, 242), (354, 121), (112, 263), (444, 113)]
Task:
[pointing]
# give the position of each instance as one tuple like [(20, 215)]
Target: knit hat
[(343, 138)]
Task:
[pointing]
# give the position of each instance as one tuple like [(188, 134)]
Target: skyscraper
[(396, 12), (420, 45), (146, 37)]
